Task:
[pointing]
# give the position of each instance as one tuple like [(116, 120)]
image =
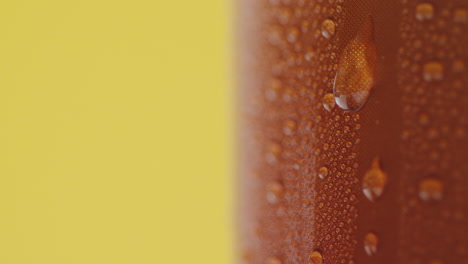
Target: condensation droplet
[(328, 28), (293, 34), (431, 189), (371, 242), (424, 11), (356, 71), (423, 119), (433, 71), (328, 101), (274, 150), (458, 66), (289, 127), (316, 257), (274, 192), (460, 15), (323, 172), (374, 181), (273, 260)]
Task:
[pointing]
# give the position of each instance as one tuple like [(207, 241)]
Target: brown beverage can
[(353, 131)]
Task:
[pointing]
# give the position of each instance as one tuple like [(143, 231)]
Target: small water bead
[(273, 260), (371, 242), (415, 67), (432, 133), (328, 101), (460, 15), (460, 132), (271, 95), (289, 127), (273, 153), (328, 28), (293, 34), (374, 181), (423, 119), (316, 257), (271, 92), (433, 71), (458, 66), (431, 189), (323, 172), (274, 192), (284, 15), (417, 43), (309, 55), (355, 76), (424, 11)]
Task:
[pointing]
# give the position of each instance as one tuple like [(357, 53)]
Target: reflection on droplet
[(374, 181), (273, 260), (424, 11), (371, 242), (274, 192), (328, 101), (356, 71), (316, 257), (431, 189), (433, 71), (323, 172), (328, 28)]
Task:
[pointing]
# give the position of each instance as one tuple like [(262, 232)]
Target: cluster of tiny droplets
[(302, 74), (432, 76)]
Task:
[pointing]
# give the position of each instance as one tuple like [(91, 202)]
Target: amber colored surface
[(304, 161)]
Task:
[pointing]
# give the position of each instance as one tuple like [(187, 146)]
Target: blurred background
[(115, 131)]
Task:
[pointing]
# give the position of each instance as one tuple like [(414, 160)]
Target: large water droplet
[(316, 257), (374, 181), (371, 242), (424, 11), (356, 71), (328, 28), (431, 189), (274, 192)]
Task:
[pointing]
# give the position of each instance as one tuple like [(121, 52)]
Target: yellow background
[(115, 131)]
